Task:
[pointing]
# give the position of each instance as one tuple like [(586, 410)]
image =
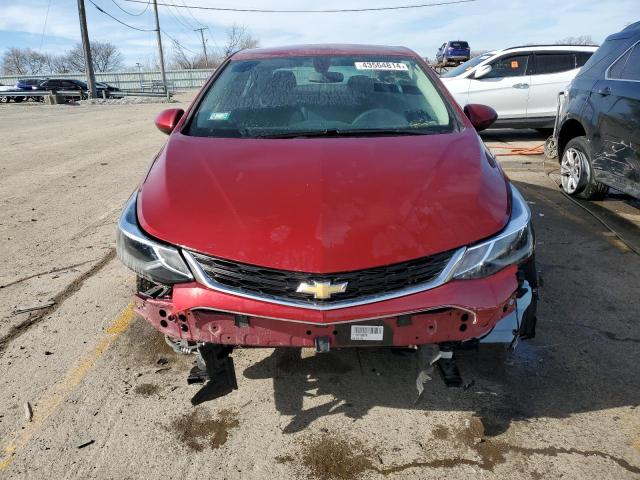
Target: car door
[(551, 72), (50, 85), (505, 88), (616, 99), (68, 85)]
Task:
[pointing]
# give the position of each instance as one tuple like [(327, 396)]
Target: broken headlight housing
[(149, 258), (511, 246)]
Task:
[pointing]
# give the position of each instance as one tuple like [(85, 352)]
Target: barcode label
[(366, 332)]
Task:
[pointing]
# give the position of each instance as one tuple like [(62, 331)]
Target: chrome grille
[(274, 284)]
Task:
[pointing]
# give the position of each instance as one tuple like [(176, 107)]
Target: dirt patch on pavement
[(332, 457), (197, 430), (147, 346), (146, 389)]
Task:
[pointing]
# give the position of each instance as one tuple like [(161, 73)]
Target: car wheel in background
[(576, 171), (18, 99), (4, 99)]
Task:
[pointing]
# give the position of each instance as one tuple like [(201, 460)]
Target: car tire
[(576, 171), (18, 99), (4, 99)]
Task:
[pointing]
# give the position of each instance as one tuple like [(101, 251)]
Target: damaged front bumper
[(493, 310)]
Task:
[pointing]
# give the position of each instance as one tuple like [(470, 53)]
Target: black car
[(68, 84), (599, 126)]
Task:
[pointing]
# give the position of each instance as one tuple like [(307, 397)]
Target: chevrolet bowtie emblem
[(321, 290)]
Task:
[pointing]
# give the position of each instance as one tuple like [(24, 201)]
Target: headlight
[(511, 246), (147, 257)]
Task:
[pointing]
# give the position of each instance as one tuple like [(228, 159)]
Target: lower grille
[(276, 284)]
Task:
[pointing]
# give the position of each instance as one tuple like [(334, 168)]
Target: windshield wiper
[(339, 132)]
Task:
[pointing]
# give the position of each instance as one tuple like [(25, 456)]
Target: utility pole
[(86, 48), (204, 45), (164, 75)]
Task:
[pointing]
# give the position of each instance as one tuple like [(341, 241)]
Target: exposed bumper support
[(197, 314)]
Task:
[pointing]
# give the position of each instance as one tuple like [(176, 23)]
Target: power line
[(186, 27), (132, 14), (184, 18), (335, 10), (118, 20), (191, 14), (44, 27), (177, 42)]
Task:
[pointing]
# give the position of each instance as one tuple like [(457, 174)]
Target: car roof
[(548, 48), (323, 49)]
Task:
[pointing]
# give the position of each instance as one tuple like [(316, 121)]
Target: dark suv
[(599, 128)]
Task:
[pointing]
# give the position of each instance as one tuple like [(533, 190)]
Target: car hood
[(323, 205)]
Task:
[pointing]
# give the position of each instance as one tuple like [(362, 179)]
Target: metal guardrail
[(81, 94)]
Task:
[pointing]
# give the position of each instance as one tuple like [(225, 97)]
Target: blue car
[(28, 83), (453, 52)]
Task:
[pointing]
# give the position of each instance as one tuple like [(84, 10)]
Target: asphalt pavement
[(89, 391)]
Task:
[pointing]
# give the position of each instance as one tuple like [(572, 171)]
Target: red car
[(328, 196)]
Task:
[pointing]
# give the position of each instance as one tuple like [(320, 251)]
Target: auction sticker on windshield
[(366, 332), (401, 67)]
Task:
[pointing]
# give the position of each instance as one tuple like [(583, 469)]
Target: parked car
[(106, 86), (520, 83), (68, 84), (28, 83), (453, 53), (5, 88), (599, 126), (328, 196)]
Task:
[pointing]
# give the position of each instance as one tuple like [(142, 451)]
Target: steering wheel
[(379, 117)]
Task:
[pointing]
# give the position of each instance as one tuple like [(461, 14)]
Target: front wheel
[(576, 171)]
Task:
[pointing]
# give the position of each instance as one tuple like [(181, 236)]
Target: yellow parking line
[(52, 399)]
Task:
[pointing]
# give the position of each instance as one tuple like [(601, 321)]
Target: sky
[(485, 24)]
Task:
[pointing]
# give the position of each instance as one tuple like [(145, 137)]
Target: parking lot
[(110, 398)]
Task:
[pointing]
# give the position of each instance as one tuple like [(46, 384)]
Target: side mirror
[(167, 120), (482, 71), (481, 116)]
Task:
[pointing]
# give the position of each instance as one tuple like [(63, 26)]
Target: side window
[(582, 57), (627, 67), (554, 63), (510, 66)]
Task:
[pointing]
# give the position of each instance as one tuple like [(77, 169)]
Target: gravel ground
[(110, 399)]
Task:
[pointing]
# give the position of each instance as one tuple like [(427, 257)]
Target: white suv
[(520, 83)]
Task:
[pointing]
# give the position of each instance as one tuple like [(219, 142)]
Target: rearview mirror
[(167, 120), (482, 71), (481, 116)]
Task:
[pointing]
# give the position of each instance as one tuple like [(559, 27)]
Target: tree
[(238, 38), (579, 40), (180, 59), (106, 57), (24, 61)]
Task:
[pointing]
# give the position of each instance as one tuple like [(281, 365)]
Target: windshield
[(322, 95), (466, 66)]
